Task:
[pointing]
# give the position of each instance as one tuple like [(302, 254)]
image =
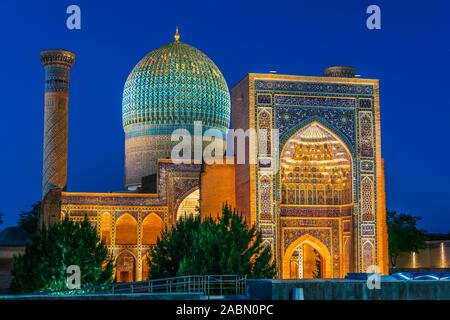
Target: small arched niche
[(152, 226), (126, 230)]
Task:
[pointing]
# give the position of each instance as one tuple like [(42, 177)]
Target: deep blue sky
[(410, 55)]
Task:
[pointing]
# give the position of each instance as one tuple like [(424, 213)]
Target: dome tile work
[(169, 89)]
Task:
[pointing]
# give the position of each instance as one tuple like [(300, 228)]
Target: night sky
[(410, 55)]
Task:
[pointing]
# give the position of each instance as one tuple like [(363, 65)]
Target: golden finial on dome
[(177, 35)]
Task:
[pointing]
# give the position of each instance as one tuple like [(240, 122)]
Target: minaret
[(57, 64)]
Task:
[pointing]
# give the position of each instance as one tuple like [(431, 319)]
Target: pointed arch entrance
[(316, 184), (307, 257), (125, 267)]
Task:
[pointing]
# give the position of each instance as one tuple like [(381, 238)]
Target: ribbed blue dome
[(172, 87)]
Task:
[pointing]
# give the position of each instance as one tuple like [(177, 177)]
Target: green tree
[(404, 236), (225, 246), (172, 247), (28, 220), (53, 249)]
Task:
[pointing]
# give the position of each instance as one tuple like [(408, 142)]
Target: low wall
[(435, 254), (394, 270), (349, 290), (135, 296)]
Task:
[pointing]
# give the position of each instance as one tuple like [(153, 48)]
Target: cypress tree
[(52, 250), (199, 247)]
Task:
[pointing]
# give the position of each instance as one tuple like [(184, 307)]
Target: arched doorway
[(189, 207), (125, 267), (315, 168), (152, 226), (126, 230), (306, 263), (316, 187), (307, 258)]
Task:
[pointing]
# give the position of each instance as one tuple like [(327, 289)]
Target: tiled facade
[(322, 213), (349, 236), (169, 89), (125, 220)]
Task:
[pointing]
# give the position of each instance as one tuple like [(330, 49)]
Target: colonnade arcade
[(127, 236), (130, 235)]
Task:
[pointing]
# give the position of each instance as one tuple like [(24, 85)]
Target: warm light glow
[(151, 229), (306, 261), (315, 169), (126, 230), (414, 260), (189, 207), (106, 224), (125, 267)]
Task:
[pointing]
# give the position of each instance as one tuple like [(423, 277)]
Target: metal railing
[(209, 285)]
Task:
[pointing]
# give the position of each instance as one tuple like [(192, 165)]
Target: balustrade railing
[(209, 285)]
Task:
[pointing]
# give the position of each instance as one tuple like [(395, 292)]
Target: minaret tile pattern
[(57, 64)]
